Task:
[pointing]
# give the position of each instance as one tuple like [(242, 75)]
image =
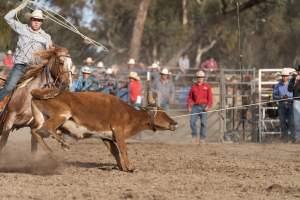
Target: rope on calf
[(235, 107)]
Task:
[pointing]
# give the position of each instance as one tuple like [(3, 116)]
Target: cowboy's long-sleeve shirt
[(29, 41)]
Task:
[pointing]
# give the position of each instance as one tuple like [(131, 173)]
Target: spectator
[(135, 90), (89, 63), (199, 102), (110, 85), (8, 60), (154, 70), (209, 65), (99, 74), (294, 86), (285, 108), (122, 91), (86, 82), (165, 90), (183, 64)]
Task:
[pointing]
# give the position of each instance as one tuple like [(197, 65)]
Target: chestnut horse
[(54, 71)]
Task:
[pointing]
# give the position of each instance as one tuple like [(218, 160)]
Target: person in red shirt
[(8, 60), (135, 89), (199, 102)]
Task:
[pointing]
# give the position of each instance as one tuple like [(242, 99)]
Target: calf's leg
[(119, 137), (113, 148), (51, 125)]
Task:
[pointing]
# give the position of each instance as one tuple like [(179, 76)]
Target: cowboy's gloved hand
[(22, 5), (285, 97)]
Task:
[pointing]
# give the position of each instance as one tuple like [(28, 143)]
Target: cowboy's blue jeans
[(12, 80), (296, 109), (285, 110), (164, 104), (203, 119)]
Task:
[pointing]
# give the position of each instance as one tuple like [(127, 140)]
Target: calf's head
[(159, 120)]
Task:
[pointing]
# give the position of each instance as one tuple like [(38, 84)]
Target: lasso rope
[(60, 20), (236, 107)]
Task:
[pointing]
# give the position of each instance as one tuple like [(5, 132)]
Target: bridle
[(60, 72), (152, 114)]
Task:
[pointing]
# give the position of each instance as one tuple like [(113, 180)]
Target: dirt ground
[(164, 171)]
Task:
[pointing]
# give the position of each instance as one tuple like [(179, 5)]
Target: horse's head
[(59, 65), (159, 120)]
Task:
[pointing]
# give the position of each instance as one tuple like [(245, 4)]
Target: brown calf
[(95, 113)]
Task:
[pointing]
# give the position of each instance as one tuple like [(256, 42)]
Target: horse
[(53, 71)]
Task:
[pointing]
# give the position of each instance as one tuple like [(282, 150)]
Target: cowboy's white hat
[(109, 71), (134, 75), (37, 14), (9, 52), (287, 71), (131, 61), (100, 65), (154, 66), (200, 74), (165, 71), (89, 60), (86, 70)]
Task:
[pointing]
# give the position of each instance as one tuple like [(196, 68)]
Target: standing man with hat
[(89, 63), (199, 102), (294, 86), (31, 39), (165, 90), (135, 90), (285, 108), (86, 81)]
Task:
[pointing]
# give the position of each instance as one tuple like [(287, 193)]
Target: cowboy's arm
[(17, 26)]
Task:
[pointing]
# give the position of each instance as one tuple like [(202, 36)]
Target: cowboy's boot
[(3, 103)]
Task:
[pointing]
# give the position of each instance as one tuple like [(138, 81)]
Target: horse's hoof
[(43, 132), (65, 147)]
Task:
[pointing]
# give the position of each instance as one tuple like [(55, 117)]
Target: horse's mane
[(32, 71), (48, 58)]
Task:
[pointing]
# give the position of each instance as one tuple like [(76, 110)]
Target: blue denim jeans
[(296, 109), (203, 120), (13, 78), (165, 104), (285, 111)]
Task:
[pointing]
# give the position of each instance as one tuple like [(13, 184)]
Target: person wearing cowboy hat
[(99, 73), (199, 101), (135, 90), (294, 86), (110, 84), (8, 60), (86, 82), (154, 70), (164, 89), (31, 38), (89, 62), (285, 104)]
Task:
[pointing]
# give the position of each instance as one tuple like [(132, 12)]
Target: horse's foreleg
[(8, 124), (34, 144), (3, 139)]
